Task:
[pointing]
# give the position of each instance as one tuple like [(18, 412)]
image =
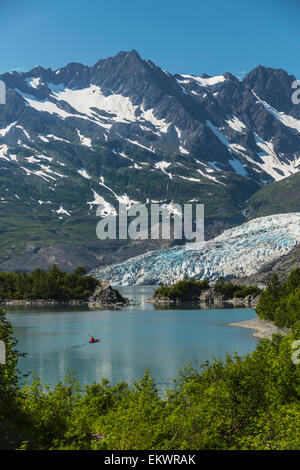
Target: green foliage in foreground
[(280, 302), (183, 290), (230, 290), (54, 284), (249, 402)]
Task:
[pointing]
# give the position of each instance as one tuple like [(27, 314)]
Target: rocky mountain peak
[(125, 130), (273, 86)]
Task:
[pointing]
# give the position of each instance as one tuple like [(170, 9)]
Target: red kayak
[(94, 340)]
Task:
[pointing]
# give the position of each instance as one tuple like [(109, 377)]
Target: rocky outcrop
[(211, 297), (105, 295), (41, 302), (214, 127), (68, 256)]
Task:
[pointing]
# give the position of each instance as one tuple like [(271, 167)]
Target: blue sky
[(185, 36)]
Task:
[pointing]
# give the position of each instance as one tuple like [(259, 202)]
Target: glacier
[(238, 252)]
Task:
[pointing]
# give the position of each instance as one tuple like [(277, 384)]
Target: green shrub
[(182, 290), (244, 402), (280, 302), (54, 284), (230, 290)]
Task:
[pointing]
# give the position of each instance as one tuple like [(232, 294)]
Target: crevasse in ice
[(238, 252)]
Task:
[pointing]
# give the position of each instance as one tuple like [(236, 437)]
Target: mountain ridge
[(125, 130)]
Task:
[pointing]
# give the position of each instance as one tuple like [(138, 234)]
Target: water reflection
[(136, 337)]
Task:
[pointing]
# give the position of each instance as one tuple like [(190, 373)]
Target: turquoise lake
[(133, 339)]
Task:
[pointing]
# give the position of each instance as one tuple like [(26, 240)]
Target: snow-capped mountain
[(125, 130), (236, 253)]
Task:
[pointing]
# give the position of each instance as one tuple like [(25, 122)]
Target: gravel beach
[(263, 328)]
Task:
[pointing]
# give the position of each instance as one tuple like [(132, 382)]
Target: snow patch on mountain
[(33, 82), (126, 201), (209, 81), (84, 140), (49, 170), (3, 152), (163, 166), (183, 150), (6, 129), (234, 162), (135, 142), (160, 124), (288, 121), (54, 137), (61, 210), (210, 177), (84, 173), (39, 173), (271, 163), (219, 134), (104, 208), (43, 138), (92, 97), (32, 159), (25, 132), (236, 124), (46, 106), (238, 167)]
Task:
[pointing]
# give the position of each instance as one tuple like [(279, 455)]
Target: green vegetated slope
[(54, 284), (276, 198), (21, 224), (280, 302), (190, 290), (185, 290), (29, 208), (249, 402)]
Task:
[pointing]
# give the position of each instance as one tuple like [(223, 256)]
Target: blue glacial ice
[(238, 252)]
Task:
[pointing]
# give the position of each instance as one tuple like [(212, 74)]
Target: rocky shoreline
[(103, 296), (263, 328), (42, 302), (211, 297), (106, 296), (208, 298)]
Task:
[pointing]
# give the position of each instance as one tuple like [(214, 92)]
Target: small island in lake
[(277, 306), (201, 292), (105, 295), (57, 287)]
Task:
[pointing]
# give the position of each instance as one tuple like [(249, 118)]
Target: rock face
[(68, 256), (105, 295), (126, 130), (211, 297)]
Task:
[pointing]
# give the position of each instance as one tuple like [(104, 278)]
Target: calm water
[(136, 337)]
